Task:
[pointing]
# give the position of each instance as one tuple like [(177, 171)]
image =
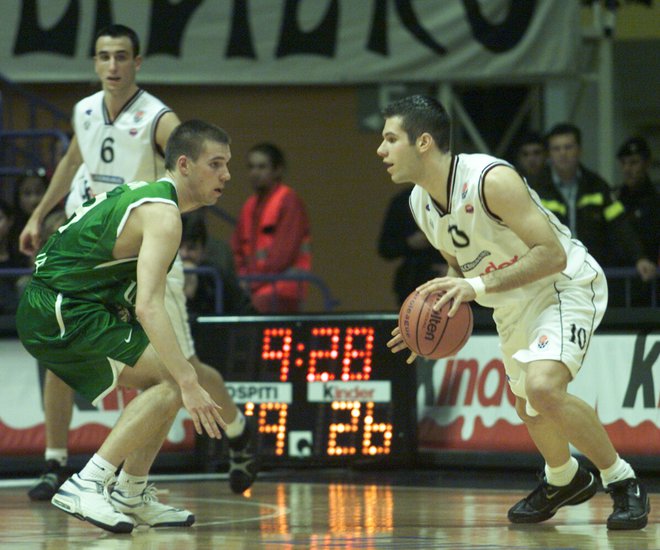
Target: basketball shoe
[(49, 482), (544, 501), (631, 505), (146, 510), (89, 500), (243, 460)]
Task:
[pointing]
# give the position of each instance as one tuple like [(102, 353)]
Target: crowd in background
[(618, 224)]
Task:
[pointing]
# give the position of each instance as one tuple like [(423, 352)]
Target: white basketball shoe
[(90, 501), (146, 510)]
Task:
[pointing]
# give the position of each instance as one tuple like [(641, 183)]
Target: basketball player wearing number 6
[(507, 252), (120, 135)]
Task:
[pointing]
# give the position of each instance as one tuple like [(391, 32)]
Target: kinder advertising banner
[(464, 403), (297, 41), (22, 414)]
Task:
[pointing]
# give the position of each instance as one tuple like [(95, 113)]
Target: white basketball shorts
[(175, 304), (554, 325)]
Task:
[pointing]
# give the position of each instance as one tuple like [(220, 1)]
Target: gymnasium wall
[(332, 163)]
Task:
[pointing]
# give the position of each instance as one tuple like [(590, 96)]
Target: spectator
[(583, 201), (272, 236), (401, 238), (29, 190), (8, 259), (531, 156), (199, 250), (640, 197)]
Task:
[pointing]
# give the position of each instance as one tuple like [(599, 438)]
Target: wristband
[(477, 283)]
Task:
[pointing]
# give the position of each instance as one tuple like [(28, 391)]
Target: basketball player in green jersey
[(120, 133), (94, 313)]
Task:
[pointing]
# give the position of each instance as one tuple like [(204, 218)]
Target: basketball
[(431, 333)]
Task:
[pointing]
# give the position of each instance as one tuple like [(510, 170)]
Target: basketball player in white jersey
[(120, 135), (507, 252)]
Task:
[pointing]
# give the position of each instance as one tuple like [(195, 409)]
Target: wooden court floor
[(281, 514)]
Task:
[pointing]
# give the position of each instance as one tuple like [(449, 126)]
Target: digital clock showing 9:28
[(320, 387)]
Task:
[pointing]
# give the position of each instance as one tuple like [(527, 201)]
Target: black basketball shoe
[(544, 501), (49, 482), (243, 459), (631, 505)]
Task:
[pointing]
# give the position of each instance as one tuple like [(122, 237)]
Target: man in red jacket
[(272, 236)]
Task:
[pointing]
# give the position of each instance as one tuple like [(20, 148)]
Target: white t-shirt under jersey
[(476, 237)]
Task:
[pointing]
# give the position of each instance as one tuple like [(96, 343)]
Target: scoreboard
[(322, 388)]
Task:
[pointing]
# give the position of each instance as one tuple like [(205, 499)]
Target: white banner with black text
[(297, 41)]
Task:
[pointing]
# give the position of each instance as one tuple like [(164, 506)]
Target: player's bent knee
[(170, 393)]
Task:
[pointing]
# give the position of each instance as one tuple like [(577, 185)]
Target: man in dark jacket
[(401, 238), (641, 199), (583, 201)]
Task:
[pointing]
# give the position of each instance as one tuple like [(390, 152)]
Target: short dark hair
[(530, 138), (420, 114), (564, 128), (188, 139), (194, 228), (272, 151), (119, 31)]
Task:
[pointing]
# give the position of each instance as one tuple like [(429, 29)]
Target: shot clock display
[(322, 388)]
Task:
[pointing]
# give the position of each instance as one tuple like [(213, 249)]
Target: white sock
[(236, 427), (562, 475), (616, 472), (61, 455), (98, 469), (130, 486)]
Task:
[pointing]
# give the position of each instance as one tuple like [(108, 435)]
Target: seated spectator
[(29, 190), (9, 258), (642, 202), (400, 237), (531, 157), (199, 250), (583, 201), (272, 236)]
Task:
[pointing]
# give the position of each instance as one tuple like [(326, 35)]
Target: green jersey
[(77, 260)]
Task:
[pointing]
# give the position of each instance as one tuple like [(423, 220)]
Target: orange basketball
[(431, 333)]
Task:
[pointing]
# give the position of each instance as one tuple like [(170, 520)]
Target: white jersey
[(477, 238), (116, 151)]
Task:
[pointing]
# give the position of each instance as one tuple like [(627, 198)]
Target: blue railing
[(329, 301), (23, 148), (628, 274), (36, 107)]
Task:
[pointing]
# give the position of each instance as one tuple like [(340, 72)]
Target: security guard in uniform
[(583, 201)]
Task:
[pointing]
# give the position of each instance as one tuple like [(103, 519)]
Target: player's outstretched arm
[(59, 186), (160, 228)]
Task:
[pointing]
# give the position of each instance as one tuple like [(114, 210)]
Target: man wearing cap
[(641, 199), (584, 202)]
